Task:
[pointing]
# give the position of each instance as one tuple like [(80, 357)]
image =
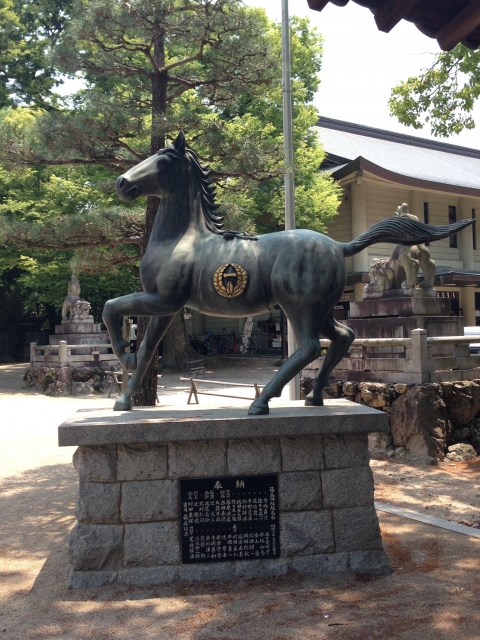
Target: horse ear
[(179, 144)]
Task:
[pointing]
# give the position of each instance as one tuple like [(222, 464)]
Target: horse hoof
[(258, 410), (121, 405), (311, 402)]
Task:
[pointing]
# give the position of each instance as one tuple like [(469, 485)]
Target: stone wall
[(67, 381), (424, 419), (128, 507)]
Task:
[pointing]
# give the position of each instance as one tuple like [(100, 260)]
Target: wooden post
[(193, 390)]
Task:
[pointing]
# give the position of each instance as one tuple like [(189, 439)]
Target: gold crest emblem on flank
[(230, 280)]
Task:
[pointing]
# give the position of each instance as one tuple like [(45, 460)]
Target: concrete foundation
[(130, 465)]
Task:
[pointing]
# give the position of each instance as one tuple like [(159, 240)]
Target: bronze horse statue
[(192, 261)]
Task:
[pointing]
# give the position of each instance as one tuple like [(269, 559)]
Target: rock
[(380, 444), (350, 388), (459, 435), (420, 422), (475, 434), (95, 377), (66, 381), (462, 400), (82, 389), (334, 390), (401, 388), (460, 452), (375, 395), (306, 385), (400, 451)]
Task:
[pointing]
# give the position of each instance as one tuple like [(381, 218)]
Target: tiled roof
[(414, 158)]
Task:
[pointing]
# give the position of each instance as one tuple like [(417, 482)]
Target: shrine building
[(379, 170)]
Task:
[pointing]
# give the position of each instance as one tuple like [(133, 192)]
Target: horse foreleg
[(157, 327), (134, 304), (341, 338), (306, 334)]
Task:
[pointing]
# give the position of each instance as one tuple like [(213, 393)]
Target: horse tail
[(403, 231)]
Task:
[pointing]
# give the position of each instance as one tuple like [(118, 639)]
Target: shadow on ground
[(432, 594)]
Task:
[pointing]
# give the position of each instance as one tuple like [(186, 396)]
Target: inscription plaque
[(233, 518)]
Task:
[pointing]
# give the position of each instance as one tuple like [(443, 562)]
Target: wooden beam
[(391, 12), (460, 27)]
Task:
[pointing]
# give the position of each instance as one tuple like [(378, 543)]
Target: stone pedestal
[(392, 305), (396, 317), (130, 466), (83, 332), (80, 333)]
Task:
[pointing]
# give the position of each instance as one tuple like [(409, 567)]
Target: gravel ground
[(433, 593)]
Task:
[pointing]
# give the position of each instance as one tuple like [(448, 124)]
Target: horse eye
[(162, 166)]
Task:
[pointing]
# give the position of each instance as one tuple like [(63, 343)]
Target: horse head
[(159, 175), (174, 169)]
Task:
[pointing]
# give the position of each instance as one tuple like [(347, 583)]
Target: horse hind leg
[(157, 327), (341, 338), (306, 332)]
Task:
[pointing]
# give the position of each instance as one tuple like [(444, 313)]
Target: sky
[(361, 65)]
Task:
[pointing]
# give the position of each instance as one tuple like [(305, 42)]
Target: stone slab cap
[(189, 423)]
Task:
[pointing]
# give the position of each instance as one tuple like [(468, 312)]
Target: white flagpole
[(294, 385)]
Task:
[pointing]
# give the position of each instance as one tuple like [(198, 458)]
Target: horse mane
[(207, 188)]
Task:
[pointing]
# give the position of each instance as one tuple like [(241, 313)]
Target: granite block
[(145, 576), (375, 562), (151, 544), (141, 462), (346, 451), (323, 563), (262, 568), (95, 464), (148, 501), (98, 502), (210, 571), (299, 491), (196, 459), (167, 424), (306, 533), (356, 529), (253, 456), (95, 546), (85, 579), (302, 454), (343, 488)]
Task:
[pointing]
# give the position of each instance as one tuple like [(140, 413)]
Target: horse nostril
[(121, 183)]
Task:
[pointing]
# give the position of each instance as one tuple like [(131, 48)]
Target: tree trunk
[(148, 396), (175, 347)]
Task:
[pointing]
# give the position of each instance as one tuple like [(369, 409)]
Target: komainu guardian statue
[(400, 271)]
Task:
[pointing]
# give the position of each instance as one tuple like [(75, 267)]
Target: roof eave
[(363, 164)]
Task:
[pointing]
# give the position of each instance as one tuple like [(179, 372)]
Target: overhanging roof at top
[(403, 159), (449, 21)]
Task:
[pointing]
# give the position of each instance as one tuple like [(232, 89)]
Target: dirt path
[(432, 594)]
